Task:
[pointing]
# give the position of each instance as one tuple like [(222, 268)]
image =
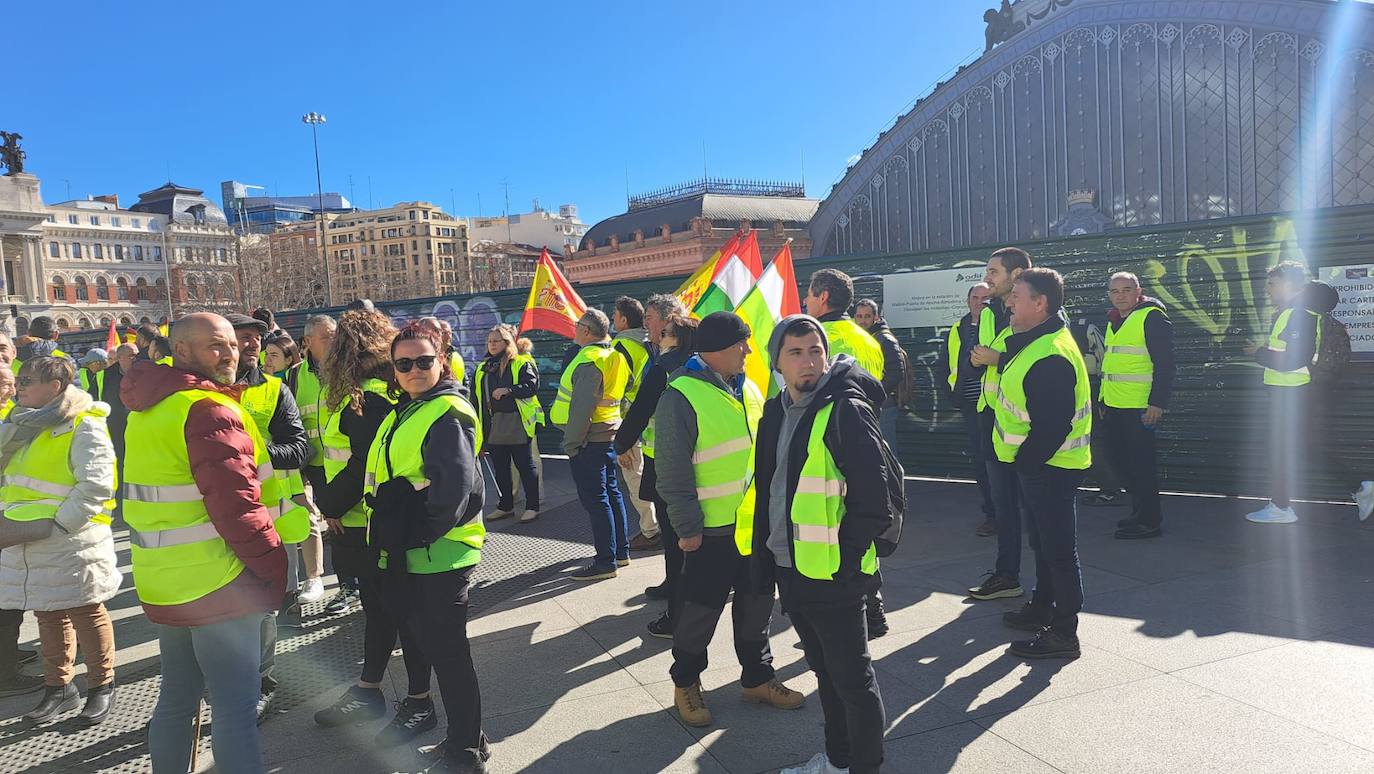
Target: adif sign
[(928, 299)]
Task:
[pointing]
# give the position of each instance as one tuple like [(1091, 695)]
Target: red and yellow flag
[(553, 305), (112, 337)]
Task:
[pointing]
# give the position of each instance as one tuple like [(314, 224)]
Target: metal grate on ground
[(315, 660)]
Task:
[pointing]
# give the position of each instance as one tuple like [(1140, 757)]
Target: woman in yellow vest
[(354, 378), (503, 392), (58, 490), (424, 493)]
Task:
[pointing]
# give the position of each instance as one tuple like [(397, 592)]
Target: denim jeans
[(973, 427), (887, 423), (595, 472), (1004, 488), (1047, 497), (223, 657)]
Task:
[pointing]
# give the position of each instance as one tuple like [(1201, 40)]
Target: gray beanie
[(775, 341)]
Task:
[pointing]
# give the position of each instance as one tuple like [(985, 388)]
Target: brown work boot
[(641, 543), (775, 694), (690, 706)]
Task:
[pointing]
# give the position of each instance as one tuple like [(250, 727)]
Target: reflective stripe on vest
[(722, 460), (289, 517), (178, 557), (1277, 343), (1012, 421), (848, 338), (531, 413), (338, 451), (818, 509), (397, 452), (38, 477), (989, 336), (310, 399), (615, 375), (639, 359), (1127, 370)]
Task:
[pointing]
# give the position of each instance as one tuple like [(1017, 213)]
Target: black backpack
[(1333, 349), (886, 543)]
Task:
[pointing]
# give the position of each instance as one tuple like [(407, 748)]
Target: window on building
[(119, 252), (152, 225), (426, 214), (59, 289), (160, 289), (135, 222), (51, 218), (412, 214), (414, 260), (157, 253), (95, 220), (122, 289), (97, 250), (415, 244), (102, 289), (76, 251), (192, 288), (83, 293), (138, 252), (141, 289), (54, 250), (114, 221), (72, 219)]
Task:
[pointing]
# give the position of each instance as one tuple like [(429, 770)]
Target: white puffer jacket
[(74, 566)]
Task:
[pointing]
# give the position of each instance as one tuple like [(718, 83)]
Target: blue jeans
[(976, 452), (596, 473), (1004, 487), (887, 424), (1047, 497), (224, 657)]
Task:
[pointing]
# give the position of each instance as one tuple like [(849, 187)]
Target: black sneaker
[(1138, 531), (996, 587), (662, 627), (290, 616), (1047, 644), (356, 706), (1103, 498), (1124, 523), (20, 685), (436, 751), (987, 529), (56, 700), (413, 717), (1030, 618), (341, 602), (657, 593), (877, 617), (458, 760), (594, 572)]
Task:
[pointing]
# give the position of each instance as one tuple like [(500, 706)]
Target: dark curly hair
[(360, 352)]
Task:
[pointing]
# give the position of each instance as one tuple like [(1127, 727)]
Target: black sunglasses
[(404, 364)]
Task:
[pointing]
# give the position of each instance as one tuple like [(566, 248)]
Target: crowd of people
[(235, 456)]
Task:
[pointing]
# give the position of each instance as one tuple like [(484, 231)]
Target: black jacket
[(1159, 341), (854, 440), (1300, 335), (968, 372), (526, 385), (118, 419), (344, 491), (1049, 387), (287, 445), (894, 367), (642, 410)]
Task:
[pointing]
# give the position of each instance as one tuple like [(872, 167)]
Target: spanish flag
[(553, 305)]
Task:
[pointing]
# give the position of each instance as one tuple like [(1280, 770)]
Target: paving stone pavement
[(1225, 646)]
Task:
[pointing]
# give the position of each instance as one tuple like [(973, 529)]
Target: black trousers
[(673, 558), (10, 620), (434, 614), (1289, 428), (976, 450), (1048, 502), (708, 575), (835, 640), (381, 623), (501, 457), (1132, 449)]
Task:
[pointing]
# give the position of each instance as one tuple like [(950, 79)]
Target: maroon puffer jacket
[(221, 458)]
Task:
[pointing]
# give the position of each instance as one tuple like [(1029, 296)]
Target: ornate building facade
[(1086, 115)]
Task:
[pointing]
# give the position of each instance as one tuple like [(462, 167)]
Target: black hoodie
[(1049, 387), (854, 440), (894, 367)]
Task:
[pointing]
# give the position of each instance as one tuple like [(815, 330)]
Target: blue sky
[(561, 101)]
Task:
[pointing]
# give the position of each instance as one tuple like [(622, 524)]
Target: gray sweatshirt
[(586, 391), (777, 488), (675, 439)]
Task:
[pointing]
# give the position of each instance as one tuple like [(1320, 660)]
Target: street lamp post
[(314, 120)]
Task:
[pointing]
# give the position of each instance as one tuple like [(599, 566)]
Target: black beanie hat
[(720, 330)]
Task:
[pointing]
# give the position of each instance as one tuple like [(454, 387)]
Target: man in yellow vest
[(632, 342), (208, 565), (305, 385), (91, 373), (587, 407), (703, 437), (964, 383), (1287, 357), (273, 409), (1137, 382), (994, 326), (821, 502), (1043, 430)]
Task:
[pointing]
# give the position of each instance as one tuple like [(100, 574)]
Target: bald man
[(195, 481)]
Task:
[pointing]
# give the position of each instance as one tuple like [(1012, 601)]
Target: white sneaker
[(1272, 514), (1364, 499), (528, 516), (499, 514), (819, 764), (312, 591)]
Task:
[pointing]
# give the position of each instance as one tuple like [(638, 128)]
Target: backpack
[(1333, 349), (886, 543)]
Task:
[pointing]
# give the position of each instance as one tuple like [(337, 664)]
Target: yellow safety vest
[(615, 374), (178, 555), (38, 478), (848, 338), (7, 408), (953, 343), (1012, 421), (338, 451), (989, 336), (286, 488), (531, 414), (310, 399), (85, 376), (18, 364), (639, 357), (723, 458), (1302, 375), (457, 366), (397, 452), (1127, 370)]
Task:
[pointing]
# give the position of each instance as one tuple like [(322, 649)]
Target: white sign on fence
[(1356, 310), (928, 299)]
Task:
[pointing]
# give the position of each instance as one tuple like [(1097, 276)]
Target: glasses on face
[(25, 381), (404, 364)]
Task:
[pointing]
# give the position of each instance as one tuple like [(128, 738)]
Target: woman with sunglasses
[(424, 490), (503, 391)]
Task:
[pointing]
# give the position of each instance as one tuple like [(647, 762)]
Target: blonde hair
[(361, 351), (515, 343)]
